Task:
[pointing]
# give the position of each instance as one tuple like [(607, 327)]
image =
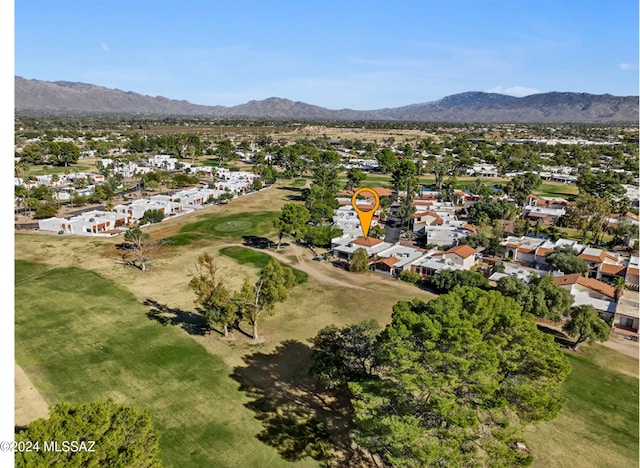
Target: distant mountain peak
[(65, 97)]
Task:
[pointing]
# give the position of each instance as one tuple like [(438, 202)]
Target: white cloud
[(628, 66), (518, 91), (105, 46)]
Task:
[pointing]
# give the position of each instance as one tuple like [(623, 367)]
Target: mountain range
[(71, 98)]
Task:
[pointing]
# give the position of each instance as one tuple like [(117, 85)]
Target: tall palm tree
[(619, 285), (20, 168)]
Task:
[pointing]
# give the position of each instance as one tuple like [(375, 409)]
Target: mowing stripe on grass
[(81, 337)]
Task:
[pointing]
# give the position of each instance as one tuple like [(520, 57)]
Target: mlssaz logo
[(69, 446)]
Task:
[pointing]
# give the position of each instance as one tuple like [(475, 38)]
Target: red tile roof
[(609, 269), (591, 283), (383, 192), (463, 251), (367, 241), (389, 261), (542, 251), (592, 258)]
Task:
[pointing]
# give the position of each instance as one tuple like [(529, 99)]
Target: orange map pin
[(365, 216)]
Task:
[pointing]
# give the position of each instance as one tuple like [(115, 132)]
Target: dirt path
[(313, 272), (622, 345), (29, 403)]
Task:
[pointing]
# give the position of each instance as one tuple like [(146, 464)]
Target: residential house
[(195, 197), (533, 250), (163, 161), (396, 259), (137, 208), (631, 276), (343, 247), (627, 314), (600, 261), (461, 257), (590, 291), (544, 214), (483, 170), (92, 223), (346, 219)]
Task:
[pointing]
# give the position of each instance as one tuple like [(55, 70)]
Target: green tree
[(101, 193), (542, 297), (320, 197), (387, 160), (292, 222), (212, 297), (45, 210), (440, 168), (355, 176), (320, 236), (619, 284), (589, 213), (184, 180), (359, 261), (62, 153), (492, 210), (123, 436), (457, 380), (410, 276), (445, 280), (272, 286), (586, 324), (152, 216), (601, 184), (341, 355), (256, 184), (521, 185), (565, 259), (404, 178)]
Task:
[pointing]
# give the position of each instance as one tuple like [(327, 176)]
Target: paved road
[(393, 226)]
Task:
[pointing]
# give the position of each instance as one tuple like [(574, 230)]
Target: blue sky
[(337, 54)]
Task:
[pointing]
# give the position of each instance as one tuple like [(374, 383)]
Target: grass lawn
[(80, 337), (557, 190), (228, 226), (82, 333), (598, 427), (297, 183), (259, 260)]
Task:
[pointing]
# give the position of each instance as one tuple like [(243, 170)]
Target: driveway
[(393, 226)]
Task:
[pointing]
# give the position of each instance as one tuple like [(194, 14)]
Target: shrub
[(410, 276)]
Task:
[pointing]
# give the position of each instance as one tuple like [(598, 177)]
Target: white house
[(137, 208), (396, 259), (195, 197), (163, 161), (91, 223), (344, 246), (461, 257)]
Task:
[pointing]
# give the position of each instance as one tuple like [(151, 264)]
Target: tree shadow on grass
[(258, 242), (299, 417), (193, 324), (558, 336)]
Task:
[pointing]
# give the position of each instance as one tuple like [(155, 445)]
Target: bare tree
[(139, 249)]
